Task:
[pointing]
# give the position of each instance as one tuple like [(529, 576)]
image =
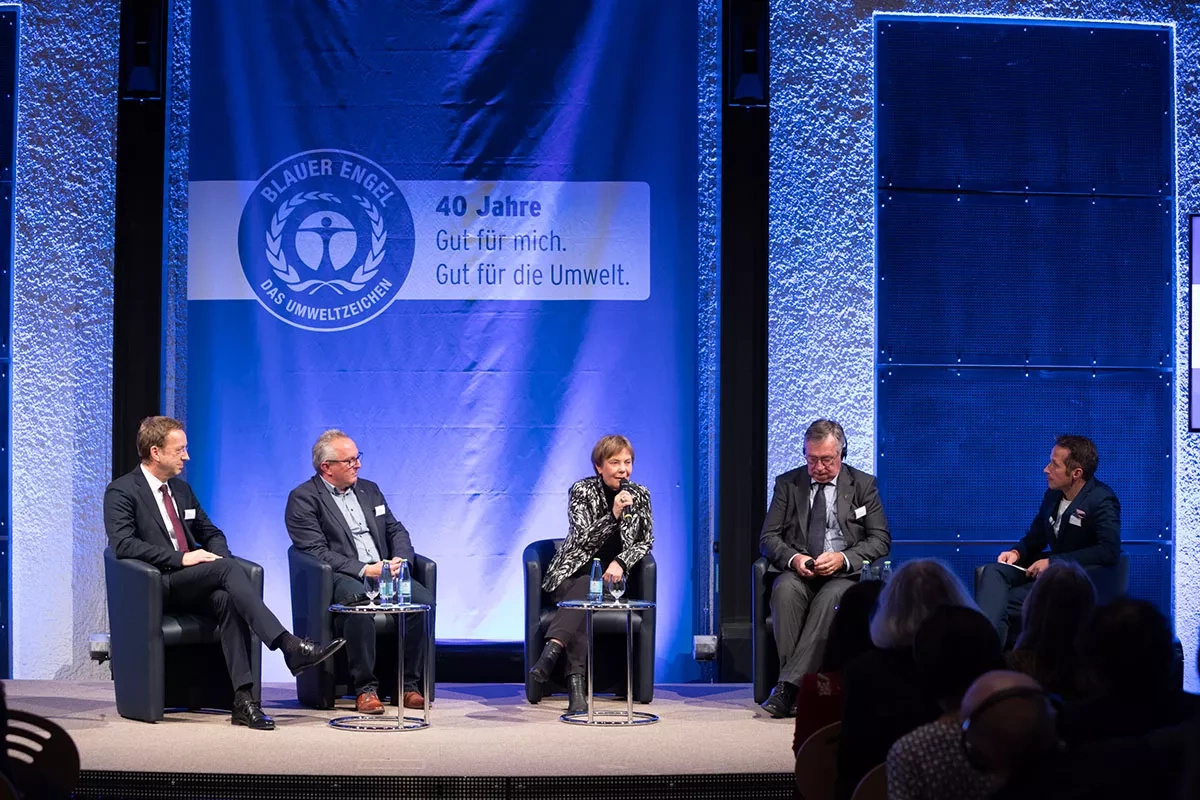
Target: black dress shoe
[(302, 654), (576, 694), (250, 714), (545, 663), (782, 702)]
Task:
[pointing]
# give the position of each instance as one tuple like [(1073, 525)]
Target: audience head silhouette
[(850, 631), (1127, 646), (1008, 723), (1059, 604), (954, 647), (916, 590)]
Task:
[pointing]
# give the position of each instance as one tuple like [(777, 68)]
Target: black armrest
[(312, 592), (135, 599), (425, 572), (537, 557), (645, 573), (135, 610)]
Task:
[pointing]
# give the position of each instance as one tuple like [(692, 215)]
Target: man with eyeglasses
[(824, 520), (152, 515), (345, 521)]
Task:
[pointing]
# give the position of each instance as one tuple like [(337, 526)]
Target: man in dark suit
[(153, 516), (345, 521), (1079, 520), (823, 521)]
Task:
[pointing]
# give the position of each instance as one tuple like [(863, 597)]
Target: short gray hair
[(916, 590), (323, 449), (822, 429)]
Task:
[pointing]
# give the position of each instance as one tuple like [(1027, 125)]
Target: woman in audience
[(954, 647), (1127, 650), (884, 699), (1055, 611), (819, 700)]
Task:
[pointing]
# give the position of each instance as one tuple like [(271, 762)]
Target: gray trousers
[(801, 613)]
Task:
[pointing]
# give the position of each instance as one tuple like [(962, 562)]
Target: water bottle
[(387, 587), (405, 582), (885, 573), (867, 573), (596, 583)]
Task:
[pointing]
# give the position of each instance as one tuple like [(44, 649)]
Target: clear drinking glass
[(615, 587), (371, 587)]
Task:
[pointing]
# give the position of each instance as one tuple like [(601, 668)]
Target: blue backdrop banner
[(463, 232)]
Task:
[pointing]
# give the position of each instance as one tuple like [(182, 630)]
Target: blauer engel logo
[(326, 240)]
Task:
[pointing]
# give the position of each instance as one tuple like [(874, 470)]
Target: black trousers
[(222, 588), (570, 626), (359, 632), (1002, 591)]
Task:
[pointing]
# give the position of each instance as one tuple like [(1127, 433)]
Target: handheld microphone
[(624, 484)]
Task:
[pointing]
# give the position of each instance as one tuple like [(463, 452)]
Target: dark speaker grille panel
[(961, 451), (1001, 279), (1015, 106), (1025, 263)]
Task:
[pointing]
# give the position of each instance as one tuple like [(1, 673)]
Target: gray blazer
[(866, 531), (317, 525)]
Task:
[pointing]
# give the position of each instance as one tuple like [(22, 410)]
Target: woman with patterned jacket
[(609, 518)]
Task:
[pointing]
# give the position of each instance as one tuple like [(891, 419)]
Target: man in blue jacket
[(1079, 520)]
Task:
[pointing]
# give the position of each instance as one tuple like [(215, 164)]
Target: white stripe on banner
[(277, 243)]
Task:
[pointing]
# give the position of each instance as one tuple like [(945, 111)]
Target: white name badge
[(860, 512), (1075, 521), (189, 513), (380, 510)]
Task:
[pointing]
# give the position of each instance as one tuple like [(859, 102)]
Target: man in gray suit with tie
[(825, 519), (345, 521)]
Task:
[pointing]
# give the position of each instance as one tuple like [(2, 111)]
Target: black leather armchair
[(764, 653), (162, 660), (1111, 582), (312, 594), (609, 664)]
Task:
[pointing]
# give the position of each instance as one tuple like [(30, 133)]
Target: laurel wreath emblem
[(362, 276)]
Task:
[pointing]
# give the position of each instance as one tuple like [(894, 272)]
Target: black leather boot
[(576, 694), (545, 663)]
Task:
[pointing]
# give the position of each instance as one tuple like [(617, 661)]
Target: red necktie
[(180, 538)]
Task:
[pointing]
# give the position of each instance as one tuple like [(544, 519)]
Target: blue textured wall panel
[(961, 451), (973, 271), (967, 101), (1006, 279)]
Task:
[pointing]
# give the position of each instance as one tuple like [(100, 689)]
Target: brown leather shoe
[(368, 703), (414, 699)]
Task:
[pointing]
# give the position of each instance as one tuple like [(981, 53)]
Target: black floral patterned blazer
[(590, 522)]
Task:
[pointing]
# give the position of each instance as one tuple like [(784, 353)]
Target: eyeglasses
[(349, 462), (825, 461)]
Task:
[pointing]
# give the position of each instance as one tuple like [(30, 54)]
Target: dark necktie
[(816, 523), (180, 538)]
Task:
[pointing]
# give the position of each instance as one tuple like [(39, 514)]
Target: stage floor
[(477, 730)]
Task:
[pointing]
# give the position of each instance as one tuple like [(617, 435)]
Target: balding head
[(1008, 721)]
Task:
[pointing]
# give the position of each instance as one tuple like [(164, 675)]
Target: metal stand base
[(366, 723), (610, 718)]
